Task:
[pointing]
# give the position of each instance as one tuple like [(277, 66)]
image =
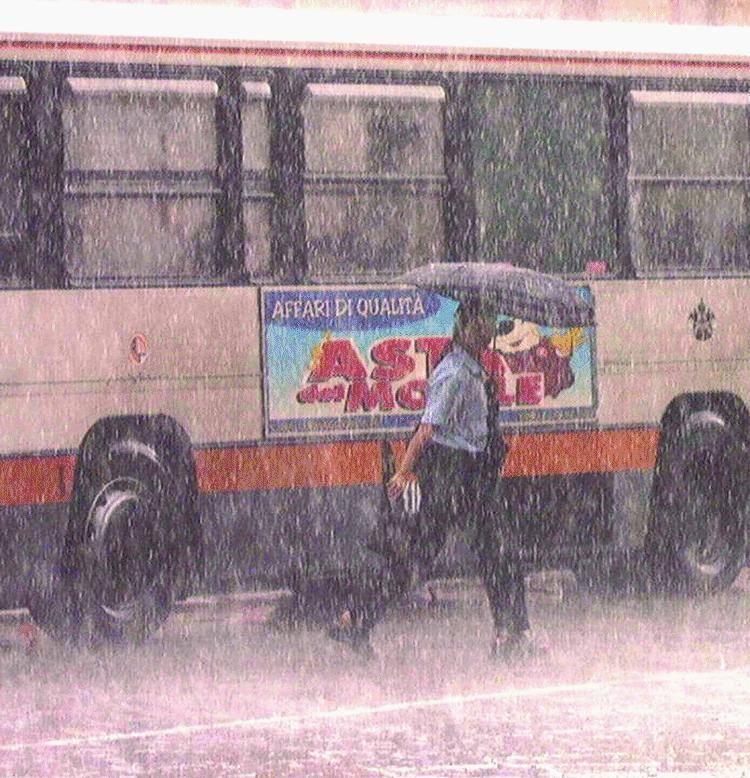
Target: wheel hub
[(122, 562), (709, 544)]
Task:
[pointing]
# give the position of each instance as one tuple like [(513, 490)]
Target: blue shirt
[(457, 403)]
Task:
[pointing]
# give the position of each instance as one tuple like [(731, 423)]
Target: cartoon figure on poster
[(526, 351)]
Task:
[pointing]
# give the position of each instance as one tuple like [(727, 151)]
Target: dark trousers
[(457, 489)]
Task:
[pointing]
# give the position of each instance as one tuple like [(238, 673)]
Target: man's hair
[(465, 312)]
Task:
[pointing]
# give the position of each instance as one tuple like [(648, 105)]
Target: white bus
[(204, 357)]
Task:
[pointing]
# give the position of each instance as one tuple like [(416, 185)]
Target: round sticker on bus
[(138, 349)]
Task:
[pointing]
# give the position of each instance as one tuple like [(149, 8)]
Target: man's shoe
[(515, 647), (356, 637)]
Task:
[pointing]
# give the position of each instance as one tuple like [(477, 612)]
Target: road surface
[(655, 686)]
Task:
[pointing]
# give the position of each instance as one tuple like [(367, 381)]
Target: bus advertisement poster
[(343, 359)]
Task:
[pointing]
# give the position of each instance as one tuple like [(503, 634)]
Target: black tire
[(123, 558), (696, 541)]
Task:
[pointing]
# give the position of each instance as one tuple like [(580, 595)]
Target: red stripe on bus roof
[(377, 54), (35, 480)]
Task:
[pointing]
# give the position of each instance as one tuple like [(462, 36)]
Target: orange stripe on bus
[(561, 453), (37, 480), (34, 480), (347, 464), (288, 466), (600, 451)]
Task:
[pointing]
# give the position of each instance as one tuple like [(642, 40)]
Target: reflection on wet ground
[(634, 686)]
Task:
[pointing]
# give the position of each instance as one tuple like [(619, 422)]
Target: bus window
[(540, 172), (689, 171), (256, 191), (13, 152), (374, 178), (140, 166)]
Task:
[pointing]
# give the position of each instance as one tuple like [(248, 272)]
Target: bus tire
[(123, 559), (122, 517), (696, 540)]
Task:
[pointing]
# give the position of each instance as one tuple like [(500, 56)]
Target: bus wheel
[(696, 537), (121, 547)]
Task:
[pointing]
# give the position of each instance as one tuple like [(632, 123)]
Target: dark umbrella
[(511, 291)]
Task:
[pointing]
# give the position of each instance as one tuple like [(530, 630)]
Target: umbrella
[(511, 291)]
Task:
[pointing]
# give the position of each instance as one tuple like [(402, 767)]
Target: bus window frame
[(613, 127), (170, 185), (288, 161), (255, 184), (47, 82), (688, 85), (288, 261), (374, 181), (20, 91)]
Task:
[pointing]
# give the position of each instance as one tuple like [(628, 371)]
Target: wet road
[(632, 687)]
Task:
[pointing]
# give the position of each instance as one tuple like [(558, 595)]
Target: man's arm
[(397, 484), (442, 395)]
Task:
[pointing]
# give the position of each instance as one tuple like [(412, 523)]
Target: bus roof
[(229, 28)]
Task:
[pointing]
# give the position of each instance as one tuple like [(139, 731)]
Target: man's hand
[(397, 484), (404, 474)]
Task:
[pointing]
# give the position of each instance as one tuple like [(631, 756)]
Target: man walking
[(455, 454)]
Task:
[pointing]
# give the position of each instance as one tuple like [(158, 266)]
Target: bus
[(206, 365)]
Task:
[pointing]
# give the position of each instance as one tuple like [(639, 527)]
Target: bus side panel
[(649, 352), (70, 358), (630, 508), (317, 533)]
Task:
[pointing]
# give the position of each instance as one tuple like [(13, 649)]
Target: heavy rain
[(374, 383), (635, 686)]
